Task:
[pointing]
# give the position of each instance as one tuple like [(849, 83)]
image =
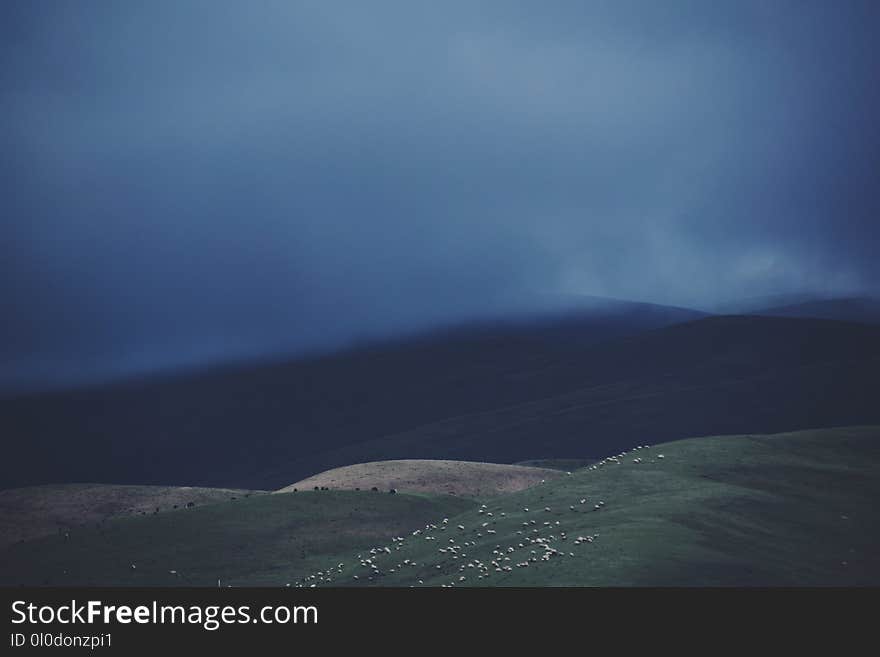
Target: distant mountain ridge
[(562, 388), (729, 374), (850, 309), (234, 419), (750, 305)]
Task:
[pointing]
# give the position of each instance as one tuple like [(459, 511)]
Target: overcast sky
[(192, 181)]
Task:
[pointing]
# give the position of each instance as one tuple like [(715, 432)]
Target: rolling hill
[(260, 540), (787, 509), (429, 476)]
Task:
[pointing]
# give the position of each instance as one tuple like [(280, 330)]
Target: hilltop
[(429, 476)]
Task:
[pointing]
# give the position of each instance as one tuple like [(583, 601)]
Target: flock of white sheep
[(538, 541)]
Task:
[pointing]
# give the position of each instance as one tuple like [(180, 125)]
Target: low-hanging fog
[(192, 182)]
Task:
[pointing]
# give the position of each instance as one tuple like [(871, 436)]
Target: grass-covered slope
[(34, 511), (786, 509), (261, 540)]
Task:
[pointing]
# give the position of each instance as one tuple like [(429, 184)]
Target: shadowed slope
[(228, 425), (722, 375), (493, 395)]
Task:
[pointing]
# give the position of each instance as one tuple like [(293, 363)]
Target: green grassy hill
[(261, 540), (785, 509), (35, 511)]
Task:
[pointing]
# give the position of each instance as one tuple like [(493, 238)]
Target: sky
[(187, 182)]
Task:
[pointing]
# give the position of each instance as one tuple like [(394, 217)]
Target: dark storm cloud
[(188, 181)]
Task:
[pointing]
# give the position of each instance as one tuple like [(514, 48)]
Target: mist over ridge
[(194, 184)]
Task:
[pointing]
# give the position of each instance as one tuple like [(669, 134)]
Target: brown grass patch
[(466, 478)]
